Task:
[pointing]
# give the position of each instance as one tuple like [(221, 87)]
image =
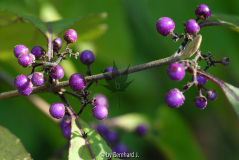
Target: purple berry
[(24, 60), (192, 27), (27, 91), (87, 57), (38, 51), (101, 100), (101, 129), (174, 98), (112, 136), (38, 79), (200, 102), (22, 82), (57, 110), (120, 148), (165, 26), (20, 49), (211, 95), (141, 129), (200, 79), (67, 132), (70, 36), (176, 72), (77, 82), (109, 69), (100, 112), (203, 11), (57, 72), (57, 43), (66, 120)]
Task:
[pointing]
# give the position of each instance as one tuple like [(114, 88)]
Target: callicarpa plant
[(101, 140)]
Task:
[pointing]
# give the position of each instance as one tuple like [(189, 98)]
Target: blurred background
[(131, 38)]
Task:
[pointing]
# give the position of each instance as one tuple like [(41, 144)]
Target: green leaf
[(173, 136), (11, 146), (93, 146), (221, 20)]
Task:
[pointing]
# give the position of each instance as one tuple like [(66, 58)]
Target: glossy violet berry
[(101, 100), (200, 79), (57, 110), (174, 98), (66, 120), (100, 112), (38, 51), (141, 129), (211, 95), (77, 82), (25, 60), (87, 57), (38, 79), (57, 72), (200, 102), (27, 91), (192, 27), (121, 148), (112, 136), (203, 11), (109, 69), (165, 26), (20, 49), (57, 44), (22, 82), (176, 72), (70, 36), (66, 131), (102, 129)]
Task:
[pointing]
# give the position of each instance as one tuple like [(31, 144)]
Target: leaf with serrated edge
[(90, 147), (11, 146)]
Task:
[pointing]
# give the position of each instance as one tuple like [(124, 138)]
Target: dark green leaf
[(221, 20), (11, 146), (93, 146)]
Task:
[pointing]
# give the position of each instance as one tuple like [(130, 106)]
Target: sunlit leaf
[(11, 146), (92, 146)]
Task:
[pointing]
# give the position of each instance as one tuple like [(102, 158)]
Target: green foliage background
[(131, 38)]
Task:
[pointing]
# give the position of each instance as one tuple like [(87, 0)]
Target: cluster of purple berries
[(176, 72), (165, 25), (113, 138)]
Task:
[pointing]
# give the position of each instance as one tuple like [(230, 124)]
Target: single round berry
[(57, 72), (22, 82), (38, 51), (70, 36), (27, 91), (112, 136), (121, 148), (87, 57), (200, 79), (141, 129), (165, 26), (100, 112), (57, 110), (176, 72), (66, 120), (24, 60), (109, 69), (66, 131), (200, 102), (77, 82), (57, 43), (101, 100), (38, 79), (211, 95), (20, 49), (203, 11), (174, 98), (101, 129), (192, 27)]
